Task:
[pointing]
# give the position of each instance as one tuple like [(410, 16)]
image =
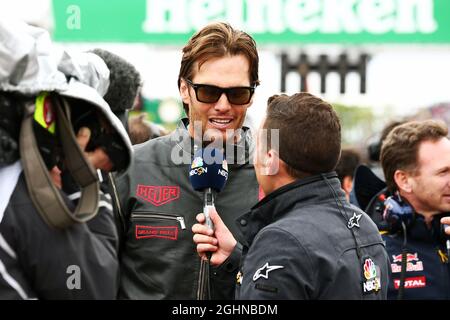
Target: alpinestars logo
[(263, 272), (158, 195)]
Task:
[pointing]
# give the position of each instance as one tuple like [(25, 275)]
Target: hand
[(446, 220), (220, 242), (98, 158), (55, 175)]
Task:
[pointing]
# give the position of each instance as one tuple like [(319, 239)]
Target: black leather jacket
[(159, 258)]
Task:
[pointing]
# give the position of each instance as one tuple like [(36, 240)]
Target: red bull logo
[(410, 257), (412, 263)]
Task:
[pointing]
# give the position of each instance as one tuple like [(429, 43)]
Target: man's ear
[(184, 91), (272, 162), (403, 181), (347, 184)]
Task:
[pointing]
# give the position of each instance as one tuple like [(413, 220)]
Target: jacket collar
[(242, 152), (310, 190), (419, 230)]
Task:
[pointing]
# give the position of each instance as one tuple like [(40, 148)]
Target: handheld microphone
[(208, 173)]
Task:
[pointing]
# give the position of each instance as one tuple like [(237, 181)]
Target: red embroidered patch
[(158, 195), (410, 283), (146, 232)]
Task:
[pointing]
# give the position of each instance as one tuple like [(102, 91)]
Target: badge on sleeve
[(354, 221), (239, 278), (263, 272), (371, 276)]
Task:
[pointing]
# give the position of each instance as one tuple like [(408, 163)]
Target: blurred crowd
[(98, 203)]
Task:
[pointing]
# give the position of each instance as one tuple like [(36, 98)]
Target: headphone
[(397, 212)]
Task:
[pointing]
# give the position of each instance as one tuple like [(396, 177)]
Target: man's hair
[(347, 164), (217, 40), (141, 130), (400, 148), (309, 133)]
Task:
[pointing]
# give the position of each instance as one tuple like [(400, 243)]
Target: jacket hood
[(30, 65), (27, 59)]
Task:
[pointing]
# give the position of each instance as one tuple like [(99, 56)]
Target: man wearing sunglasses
[(158, 205)]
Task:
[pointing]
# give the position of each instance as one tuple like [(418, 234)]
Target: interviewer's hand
[(98, 158), (446, 220), (219, 242)]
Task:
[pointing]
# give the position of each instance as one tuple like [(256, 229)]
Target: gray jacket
[(301, 246), (159, 258)]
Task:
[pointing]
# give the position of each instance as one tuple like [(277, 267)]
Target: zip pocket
[(144, 216)]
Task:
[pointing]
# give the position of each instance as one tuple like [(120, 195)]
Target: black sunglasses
[(210, 94)]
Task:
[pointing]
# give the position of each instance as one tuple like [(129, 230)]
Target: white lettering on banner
[(234, 13), (415, 16), (303, 16), (166, 16), (265, 15), (203, 11), (377, 16), (339, 16), (298, 16)]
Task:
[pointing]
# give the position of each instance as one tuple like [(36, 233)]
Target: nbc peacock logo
[(369, 269), (198, 162)]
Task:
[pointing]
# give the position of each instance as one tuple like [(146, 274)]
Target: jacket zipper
[(160, 216)]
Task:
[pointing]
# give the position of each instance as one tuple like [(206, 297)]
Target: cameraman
[(415, 158), (47, 253)]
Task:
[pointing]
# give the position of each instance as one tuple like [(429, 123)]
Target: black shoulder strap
[(43, 192)]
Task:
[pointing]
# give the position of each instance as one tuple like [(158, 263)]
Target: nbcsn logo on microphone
[(198, 169)]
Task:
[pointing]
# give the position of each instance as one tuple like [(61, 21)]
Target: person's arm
[(277, 266), (100, 160), (219, 242), (98, 157), (223, 277)]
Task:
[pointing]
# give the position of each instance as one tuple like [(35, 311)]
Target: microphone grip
[(208, 205), (206, 212)]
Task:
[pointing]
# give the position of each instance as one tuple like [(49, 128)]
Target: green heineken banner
[(269, 21)]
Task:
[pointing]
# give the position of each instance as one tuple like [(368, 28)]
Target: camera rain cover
[(28, 66)]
